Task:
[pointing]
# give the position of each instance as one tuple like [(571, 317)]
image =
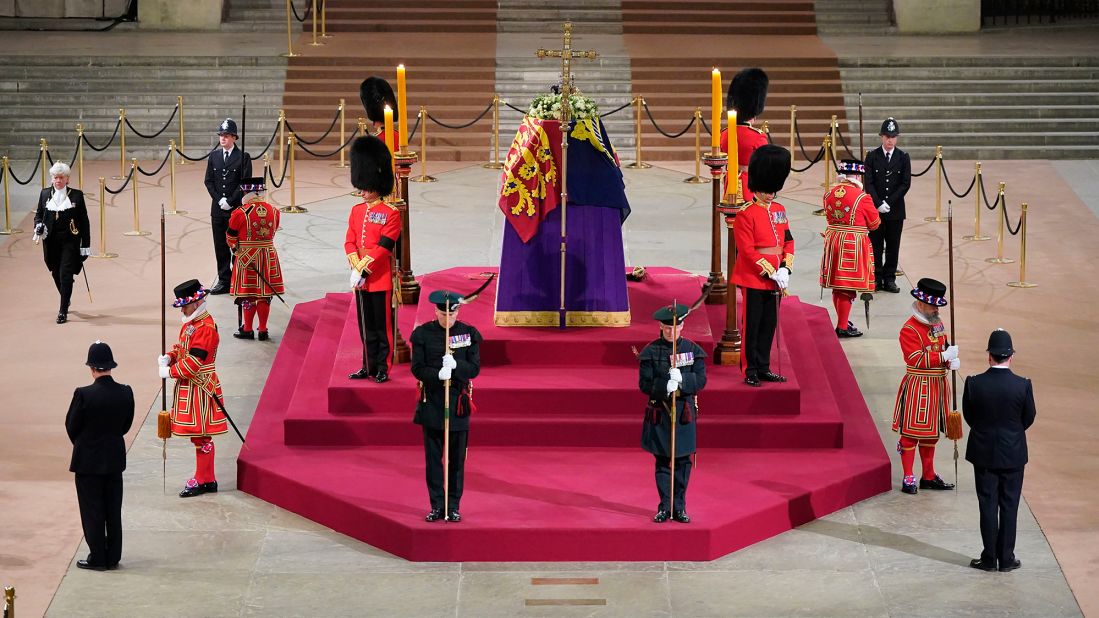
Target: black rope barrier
[(510, 106), (801, 146), (129, 177), (76, 151), (843, 142), (84, 136), (202, 158), (616, 110), (460, 126), (706, 127), (157, 170), (1007, 222), (328, 154), (162, 129), (335, 119), (295, 11), (662, 131), (30, 177), (49, 157), (814, 161), (769, 140), (274, 133), (416, 126), (271, 175), (984, 196), (951, 187), (926, 169)]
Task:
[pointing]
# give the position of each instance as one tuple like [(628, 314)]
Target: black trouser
[(998, 492), (760, 321), (64, 261), (433, 457), (886, 241), (100, 500), (373, 311), (664, 477), (219, 223)]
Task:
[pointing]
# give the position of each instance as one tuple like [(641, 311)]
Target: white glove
[(781, 277), (356, 278), (675, 374), (164, 372), (449, 362), (163, 360), (85, 251), (444, 373), (951, 353), (224, 204), (955, 364), (673, 386), (884, 208), (35, 238)]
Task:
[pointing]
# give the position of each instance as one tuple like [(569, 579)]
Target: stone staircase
[(44, 96), (538, 16), (718, 17), (854, 17), (1026, 107), (418, 16), (259, 16)]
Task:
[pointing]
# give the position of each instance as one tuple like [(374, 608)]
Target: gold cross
[(566, 54)]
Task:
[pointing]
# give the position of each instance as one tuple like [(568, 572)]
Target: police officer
[(659, 379), (888, 176), (226, 166), (435, 361)]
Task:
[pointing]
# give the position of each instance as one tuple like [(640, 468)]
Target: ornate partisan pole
[(409, 287)]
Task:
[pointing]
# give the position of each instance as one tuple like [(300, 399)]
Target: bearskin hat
[(371, 166), (748, 93), (375, 93), (768, 169)]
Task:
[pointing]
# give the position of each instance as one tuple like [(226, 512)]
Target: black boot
[(361, 374), (681, 517), (434, 515), (770, 376), (244, 334), (661, 516), (936, 483)]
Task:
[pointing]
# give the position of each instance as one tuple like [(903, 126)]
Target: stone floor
[(232, 555)]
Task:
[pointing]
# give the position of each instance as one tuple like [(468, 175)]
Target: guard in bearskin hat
[(257, 274), (375, 94), (226, 167), (747, 95), (765, 258), (923, 398), (847, 265), (673, 370), (373, 229), (888, 177), (196, 410)]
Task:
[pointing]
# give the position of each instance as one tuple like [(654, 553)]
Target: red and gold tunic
[(748, 138), (372, 232), (848, 259), (923, 397), (763, 243), (251, 235), (191, 363)]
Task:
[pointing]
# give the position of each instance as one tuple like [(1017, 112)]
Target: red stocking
[(204, 459), (249, 307), (842, 300), (927, 459), (263, 308), (907, 447)]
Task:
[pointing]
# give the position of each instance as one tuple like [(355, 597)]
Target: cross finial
[(566, 54)]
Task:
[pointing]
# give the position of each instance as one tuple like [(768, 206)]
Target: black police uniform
[(656, 433), (888, 180), (67, 232), (428, 347), (223, 177), (99, 417)]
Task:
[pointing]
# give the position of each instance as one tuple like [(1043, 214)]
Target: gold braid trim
[(765, 267)]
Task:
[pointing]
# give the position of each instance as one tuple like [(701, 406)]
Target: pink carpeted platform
[(555, 470)]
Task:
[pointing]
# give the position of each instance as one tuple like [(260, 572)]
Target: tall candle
[(402, 107), (734, 159), (388, 129), (715, 109)]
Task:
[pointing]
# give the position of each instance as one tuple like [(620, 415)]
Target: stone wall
[(937, 16)]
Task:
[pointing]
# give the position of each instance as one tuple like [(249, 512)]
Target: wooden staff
[(674, 416), (953, 418), (446, 422), (163, 418)]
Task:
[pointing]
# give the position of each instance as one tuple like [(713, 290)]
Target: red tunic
[(251, 235), (923, 397), (763, 243), (748, 138), (192, 365), (372, 232), (848, 259)]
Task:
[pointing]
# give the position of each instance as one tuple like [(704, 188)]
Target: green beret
[(665, 315), (445, 300)]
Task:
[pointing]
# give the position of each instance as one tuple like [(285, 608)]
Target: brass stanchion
[(834, 137), (793, 124), (315, 43), (361, 125), (122, 144), (289, 34), (343, 137), (324, 20), (293, 208), (728, 348), (137, 231), (266, 166), (827, 145), (697, 179), (80, 156), (1022, 282), (103, 222), (423, 177), (494, 163), (172, 176), (938, 218), (716, 161), (43, 163), (6, 179), (182, 146), (282, 136), (9, 602), (638, 101), (977, 235), (1000, 259)]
